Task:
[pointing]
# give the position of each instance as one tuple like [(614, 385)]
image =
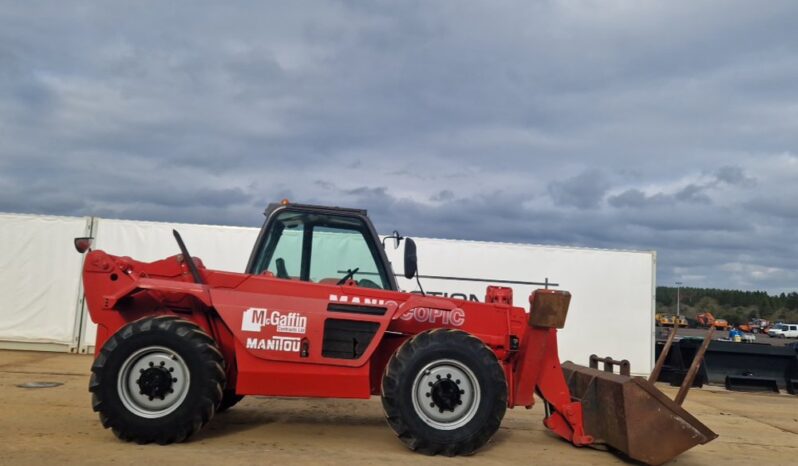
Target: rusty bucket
[(630, 415)]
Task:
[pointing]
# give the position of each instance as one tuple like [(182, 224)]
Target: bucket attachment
[(632, 416)]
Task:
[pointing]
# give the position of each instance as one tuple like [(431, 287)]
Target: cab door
[(326, 297), (358, 309)]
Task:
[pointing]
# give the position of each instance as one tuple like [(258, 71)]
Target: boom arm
[(538, 369)]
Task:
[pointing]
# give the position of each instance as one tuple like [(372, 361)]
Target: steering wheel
[(366, 283), (349, 274)]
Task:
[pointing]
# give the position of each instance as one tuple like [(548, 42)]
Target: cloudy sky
[(667, 126)]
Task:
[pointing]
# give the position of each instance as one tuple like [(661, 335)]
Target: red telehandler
[(318, 314)]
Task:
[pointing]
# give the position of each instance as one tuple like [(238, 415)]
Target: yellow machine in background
[(669, 320)]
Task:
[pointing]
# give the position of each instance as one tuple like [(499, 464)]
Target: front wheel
[(158, 379), (444, 391)]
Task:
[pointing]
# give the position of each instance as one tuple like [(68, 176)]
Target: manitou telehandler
[(318, 314)]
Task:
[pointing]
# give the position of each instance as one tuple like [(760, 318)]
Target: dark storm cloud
[(693, 193), (443, 196), (733, 175), (637, 199), (584, 191), (779, 208), (620, 124)]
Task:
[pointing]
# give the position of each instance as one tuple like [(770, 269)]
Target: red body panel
[(271, 331)]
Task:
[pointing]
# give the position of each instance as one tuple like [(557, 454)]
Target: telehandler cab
[(318, 314)]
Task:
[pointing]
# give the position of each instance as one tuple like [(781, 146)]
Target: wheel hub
[(445, 393), (156, 382), (153, 382)]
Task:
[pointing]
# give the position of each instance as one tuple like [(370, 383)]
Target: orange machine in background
[(706, 320)]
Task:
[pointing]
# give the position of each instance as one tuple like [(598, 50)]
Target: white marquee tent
[(612, 310)]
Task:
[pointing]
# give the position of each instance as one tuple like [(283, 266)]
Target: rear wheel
[(158, 379), (444, 391)]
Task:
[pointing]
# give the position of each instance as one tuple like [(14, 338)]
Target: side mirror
[(411, 261), (396, 237)]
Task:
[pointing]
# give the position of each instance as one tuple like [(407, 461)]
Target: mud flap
[(632, 416)]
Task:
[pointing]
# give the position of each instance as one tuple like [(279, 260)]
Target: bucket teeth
[(632, 416)]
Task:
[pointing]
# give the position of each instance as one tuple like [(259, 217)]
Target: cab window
[(337, 251), (287, 261), (321, 248)]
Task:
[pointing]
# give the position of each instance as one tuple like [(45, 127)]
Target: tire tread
[(209, 399), (396, 371)]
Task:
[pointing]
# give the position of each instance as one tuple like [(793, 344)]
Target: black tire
[(412, 409), (229, 399), (132, 385)]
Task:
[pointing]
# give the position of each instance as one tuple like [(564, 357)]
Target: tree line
[(736, 306)]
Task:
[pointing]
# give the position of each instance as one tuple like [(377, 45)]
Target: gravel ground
[(699, 332), (57, 426)]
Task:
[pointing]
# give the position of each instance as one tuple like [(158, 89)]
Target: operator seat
[(282, 272)]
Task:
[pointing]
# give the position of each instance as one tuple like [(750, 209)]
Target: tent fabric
[(39, 277)]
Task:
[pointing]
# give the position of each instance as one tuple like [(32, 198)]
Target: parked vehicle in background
[(784, 331), (706, 320), (670, 320), (664, 320), (755, 326)]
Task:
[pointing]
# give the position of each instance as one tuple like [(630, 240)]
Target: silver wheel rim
[(446, 374), (163, 361)]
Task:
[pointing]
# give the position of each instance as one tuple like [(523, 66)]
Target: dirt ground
[(57, 426)]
